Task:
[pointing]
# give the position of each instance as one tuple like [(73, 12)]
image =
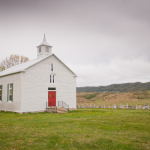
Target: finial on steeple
[(44, 39)]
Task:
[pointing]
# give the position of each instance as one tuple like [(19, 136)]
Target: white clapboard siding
[(36, 80), (14, 106)]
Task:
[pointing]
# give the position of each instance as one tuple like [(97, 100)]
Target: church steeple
[(44, 39), (44, 49)]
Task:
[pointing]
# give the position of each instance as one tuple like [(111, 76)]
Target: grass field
[(110, 98), (82, 129)]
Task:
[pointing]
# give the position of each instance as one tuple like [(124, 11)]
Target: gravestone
[(120, 106), (129, 107), (126, 105), (147, 105), (114, 106)]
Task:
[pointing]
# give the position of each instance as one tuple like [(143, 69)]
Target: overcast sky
[(102, 41)]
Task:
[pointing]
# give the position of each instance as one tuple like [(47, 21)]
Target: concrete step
[(62, 111), (59, 109)]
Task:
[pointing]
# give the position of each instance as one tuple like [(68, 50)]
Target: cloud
[(103, 42), (117, 71)]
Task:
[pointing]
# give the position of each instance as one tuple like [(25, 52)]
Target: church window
[(10, 92), (40, 49), (50, 78), (0, 92), (47, 49), (51, 67), (52, 89), (53, 78)]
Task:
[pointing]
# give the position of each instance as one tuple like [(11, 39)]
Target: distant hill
[(125, 87)]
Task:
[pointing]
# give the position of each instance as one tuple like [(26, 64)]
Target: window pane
[(53, 78), (51, 67), (10, 97), (47, 49), (50, 78), (10, 92), (51, 88), (0, 92), (10, 85), (39, 49)]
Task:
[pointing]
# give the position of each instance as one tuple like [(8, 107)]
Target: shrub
[(89, 96)]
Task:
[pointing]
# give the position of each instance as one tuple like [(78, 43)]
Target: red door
[(51, 98)]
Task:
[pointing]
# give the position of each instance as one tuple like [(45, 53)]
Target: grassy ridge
[(125, 87), (82, 129), (110, 98)]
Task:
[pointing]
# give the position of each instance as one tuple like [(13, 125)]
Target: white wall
[(14, 106), (36, 80)]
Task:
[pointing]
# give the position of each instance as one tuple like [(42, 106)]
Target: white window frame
[(52, 90), (1, 93), (52, 78), (8, 92), (52, 67)]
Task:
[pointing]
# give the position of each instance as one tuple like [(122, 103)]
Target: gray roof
[(22, 67)]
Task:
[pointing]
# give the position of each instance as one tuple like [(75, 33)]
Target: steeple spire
[(44, 49), (44, 39)]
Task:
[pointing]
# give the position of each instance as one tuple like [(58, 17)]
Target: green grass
[(82, 129)]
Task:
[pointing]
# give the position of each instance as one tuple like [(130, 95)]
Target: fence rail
[(63, 104)]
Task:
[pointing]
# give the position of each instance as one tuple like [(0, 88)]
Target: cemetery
[(146, 106)]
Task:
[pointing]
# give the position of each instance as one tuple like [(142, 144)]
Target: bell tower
[(44, 49)]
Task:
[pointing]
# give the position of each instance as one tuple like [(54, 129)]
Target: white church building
[(33, 85)]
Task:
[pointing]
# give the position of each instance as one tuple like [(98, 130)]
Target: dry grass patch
[(110, 98)]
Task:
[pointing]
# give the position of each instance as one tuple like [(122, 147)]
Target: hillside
[(110, 98), (125, 87)]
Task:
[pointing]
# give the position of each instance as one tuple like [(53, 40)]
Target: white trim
[(52, 90), (52, 75), (9, 92)]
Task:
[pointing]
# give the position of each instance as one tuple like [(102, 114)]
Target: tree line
[(125, 87), (12, 60)]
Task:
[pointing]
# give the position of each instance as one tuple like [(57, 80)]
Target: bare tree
[(13, 60)]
